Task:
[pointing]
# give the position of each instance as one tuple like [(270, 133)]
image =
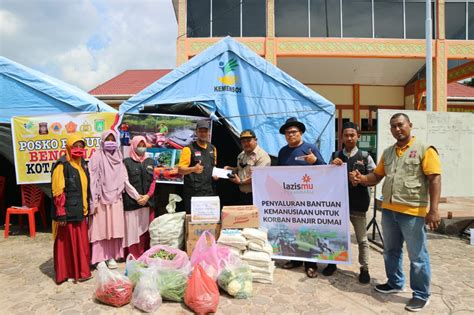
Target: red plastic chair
[(32, 200)]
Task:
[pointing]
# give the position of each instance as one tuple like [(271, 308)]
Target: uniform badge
[(197, 153), (412, 154)]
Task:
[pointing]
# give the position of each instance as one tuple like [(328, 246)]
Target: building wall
[(378, 96), (273, 46), (382, 95), (338, 94), (410, 102)]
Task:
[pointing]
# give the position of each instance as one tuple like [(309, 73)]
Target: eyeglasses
[(291, 132)]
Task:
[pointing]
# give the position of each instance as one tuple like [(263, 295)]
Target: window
[(455, 20), (415, 12), (388, 18), (470, 20), (357, 18), (226, 18), (325, 18), (291, 18), (254, 18), (199, 17)]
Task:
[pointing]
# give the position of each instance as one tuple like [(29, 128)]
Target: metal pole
[(429, 59)]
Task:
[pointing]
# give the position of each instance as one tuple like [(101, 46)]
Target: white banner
[(306, 211)]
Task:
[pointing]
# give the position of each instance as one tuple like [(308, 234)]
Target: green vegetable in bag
[(163, 254), (172, 284)]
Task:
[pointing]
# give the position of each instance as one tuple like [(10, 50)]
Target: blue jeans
[(396, 229)]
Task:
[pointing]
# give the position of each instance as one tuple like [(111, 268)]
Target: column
[(181, 52), (440, 64), (270, 53), (356, 103)]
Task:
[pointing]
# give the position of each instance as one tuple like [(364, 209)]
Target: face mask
[(140, 150), (110, 145), (78, 152)]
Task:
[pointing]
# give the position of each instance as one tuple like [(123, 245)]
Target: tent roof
[(29, 92), (145, 97), (246, 91)]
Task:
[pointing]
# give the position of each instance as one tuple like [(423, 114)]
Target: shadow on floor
[(47, 268)]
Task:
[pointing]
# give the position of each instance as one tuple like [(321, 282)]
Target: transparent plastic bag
[(112, 288), (146, 295), (171, 283), (134, 269), (236, 278)]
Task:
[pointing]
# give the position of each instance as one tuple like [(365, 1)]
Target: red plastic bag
[(202, 293)]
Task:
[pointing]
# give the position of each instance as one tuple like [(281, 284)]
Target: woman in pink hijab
[(137, 215), (108, 180)]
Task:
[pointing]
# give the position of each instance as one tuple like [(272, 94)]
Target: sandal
[(292, 264), (311, 272)]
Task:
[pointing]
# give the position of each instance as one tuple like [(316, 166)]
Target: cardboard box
[(194, 230), (205, 209), (239, 217), (191, 240), (190, 247)]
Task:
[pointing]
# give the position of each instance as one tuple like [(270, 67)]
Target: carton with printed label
[(239, 217)]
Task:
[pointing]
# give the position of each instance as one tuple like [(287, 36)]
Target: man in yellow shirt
[(196, 163), (412, 172)]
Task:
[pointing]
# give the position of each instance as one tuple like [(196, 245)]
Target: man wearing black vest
[(359, 196), (196, 163)]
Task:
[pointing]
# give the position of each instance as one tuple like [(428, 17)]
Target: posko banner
[(39, 141), (166, 136), (305, 210)]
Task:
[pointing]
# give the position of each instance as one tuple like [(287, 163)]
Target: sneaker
[(364, 276), (101, 265), (416, 304), (386, 289), (112, 264), (70, 280), (329, 270)]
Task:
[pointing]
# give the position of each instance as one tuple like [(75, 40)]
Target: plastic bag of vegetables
[(171, 283), (209, 255), (236, 278), (134, 269), (166, 257), (112, 288), (202, 293), (146, 295)]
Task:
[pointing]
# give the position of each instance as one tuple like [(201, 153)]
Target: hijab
[(107, 173), (133, 147)]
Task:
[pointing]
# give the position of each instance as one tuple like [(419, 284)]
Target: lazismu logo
[(305, 186)]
